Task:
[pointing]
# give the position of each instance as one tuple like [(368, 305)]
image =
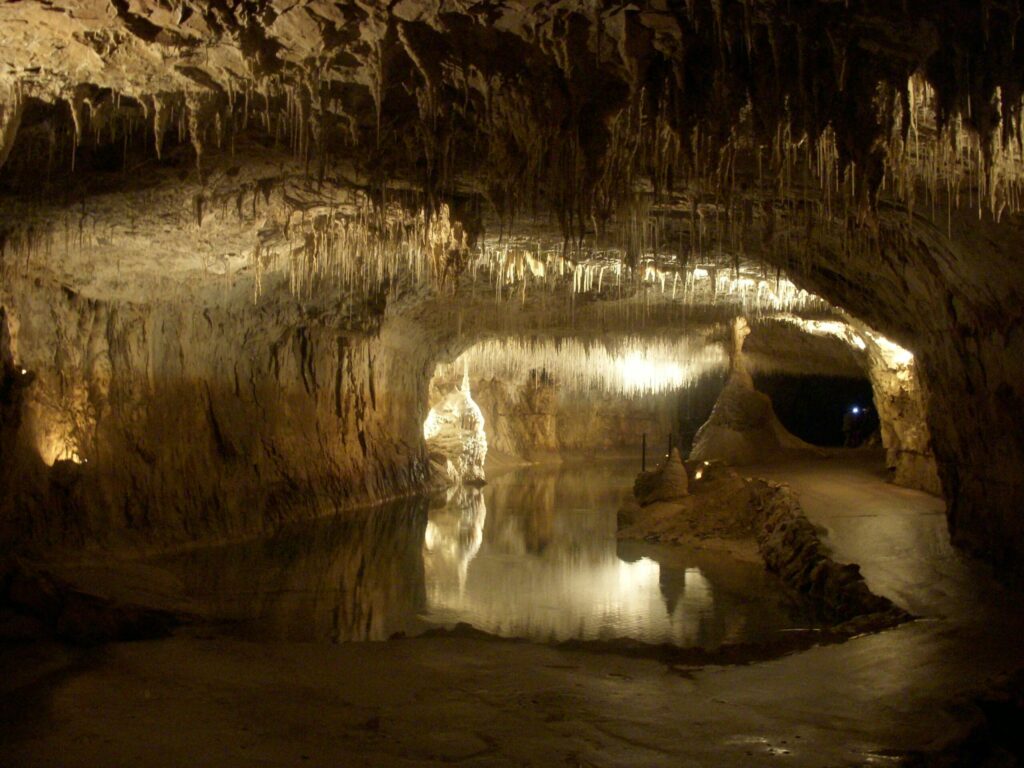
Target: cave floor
[(199, 698)]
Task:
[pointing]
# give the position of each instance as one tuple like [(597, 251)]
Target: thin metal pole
[(643, 453)]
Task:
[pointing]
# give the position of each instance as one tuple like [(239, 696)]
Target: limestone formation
[(669, 482), (322, 200), (743, 427), (791, 548), (900, 400), (456, 441)]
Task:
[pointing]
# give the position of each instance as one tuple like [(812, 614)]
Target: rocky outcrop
[(669, 482), (902, 413), (751, 519), (742, 427), (953, 297), (791, 548)]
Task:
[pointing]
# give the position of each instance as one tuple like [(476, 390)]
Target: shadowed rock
[(666, 483)]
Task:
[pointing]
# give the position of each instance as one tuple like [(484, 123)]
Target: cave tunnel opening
[(552, 399), (827, 411)]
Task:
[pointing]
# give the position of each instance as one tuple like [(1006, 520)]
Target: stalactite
[(622, 365)]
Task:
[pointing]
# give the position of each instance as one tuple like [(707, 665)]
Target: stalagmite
[(278, 278)]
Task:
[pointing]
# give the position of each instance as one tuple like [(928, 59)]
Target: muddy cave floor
[(200, 698)]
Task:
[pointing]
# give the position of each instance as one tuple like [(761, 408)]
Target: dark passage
[(814, 408)]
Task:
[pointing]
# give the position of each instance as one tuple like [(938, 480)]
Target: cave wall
[(537, 420), (953, 295), (202, 419), (902, 406), (791, 346)]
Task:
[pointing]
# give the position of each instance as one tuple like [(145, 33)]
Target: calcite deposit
[(236, 238)]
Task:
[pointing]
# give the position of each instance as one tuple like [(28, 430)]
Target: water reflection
[(454, 533), (355, 576), (534, 554), (547, 566)]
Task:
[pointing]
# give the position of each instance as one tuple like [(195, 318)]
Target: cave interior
[(343, 342)]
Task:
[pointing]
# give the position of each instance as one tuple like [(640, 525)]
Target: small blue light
[(855, 410)]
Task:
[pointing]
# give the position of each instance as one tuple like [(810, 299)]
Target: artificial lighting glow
[(893, 354), (698, 473), (24, 372), (626, 365), (855, 410), (54, 448), (641, 374)]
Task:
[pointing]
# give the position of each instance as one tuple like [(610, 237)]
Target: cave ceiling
[(150, 146)]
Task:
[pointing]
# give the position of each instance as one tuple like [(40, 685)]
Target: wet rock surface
[(669, 482), (990, 736)]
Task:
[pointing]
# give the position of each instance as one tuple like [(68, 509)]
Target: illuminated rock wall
[(205, 420), (953, 297), (456, 441), (902, 411), (539, 420)]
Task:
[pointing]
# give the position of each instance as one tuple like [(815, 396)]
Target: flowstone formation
[(456, 442), (292, 187)]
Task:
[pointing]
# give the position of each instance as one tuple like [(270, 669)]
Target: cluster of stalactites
[(515, 268), (953, 163), (626, 365), (366, 250)]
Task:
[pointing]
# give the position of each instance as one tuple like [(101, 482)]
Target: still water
[(532, 555)]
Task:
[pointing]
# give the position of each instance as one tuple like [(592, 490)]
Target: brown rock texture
[(752, 519), (790, 547), (170, 423), (668, 482), (902, 412), (156, 157)]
